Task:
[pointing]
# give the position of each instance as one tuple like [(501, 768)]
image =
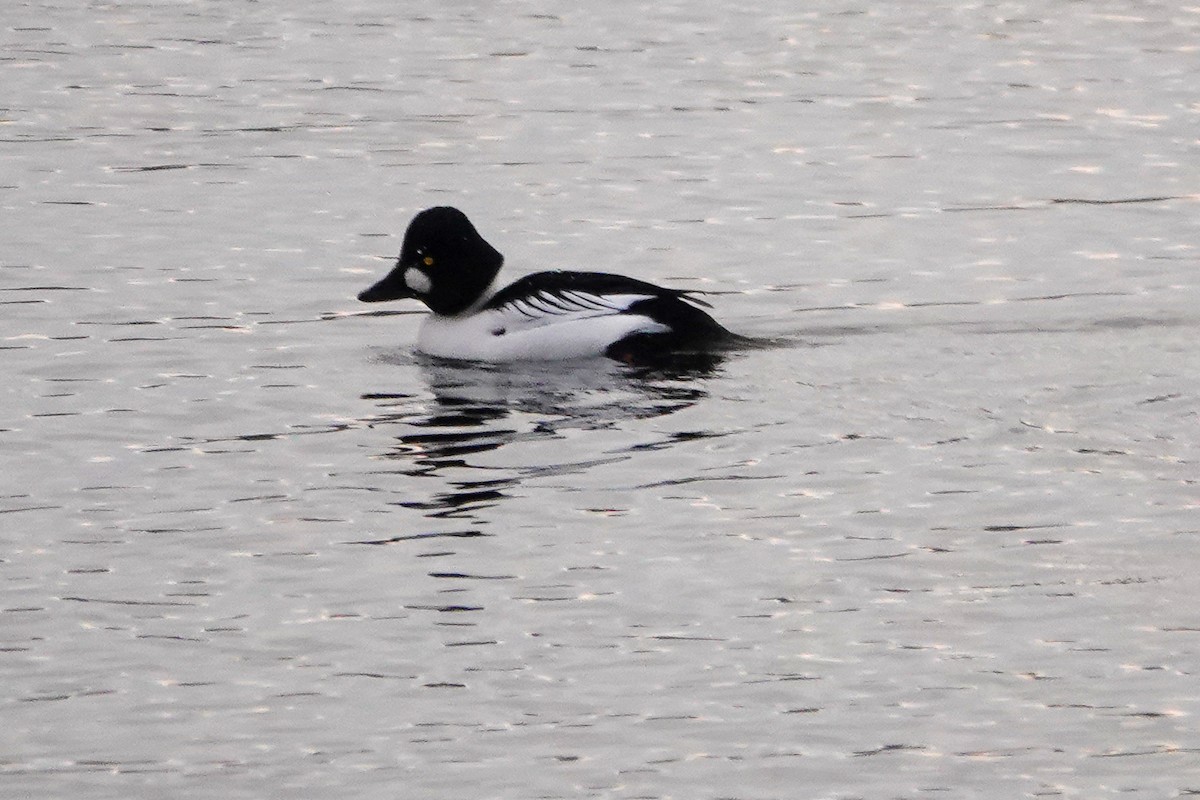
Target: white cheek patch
[(417, 281)]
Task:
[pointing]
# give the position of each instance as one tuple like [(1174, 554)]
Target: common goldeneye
[(447, 265)]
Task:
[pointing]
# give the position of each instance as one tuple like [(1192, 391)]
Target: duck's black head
[(444, 263)]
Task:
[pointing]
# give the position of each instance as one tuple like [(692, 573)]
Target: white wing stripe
[(587, 301), (521, 306), (554, 302), (545, 307)]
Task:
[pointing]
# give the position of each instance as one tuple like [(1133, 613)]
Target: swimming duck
[(448, 266)]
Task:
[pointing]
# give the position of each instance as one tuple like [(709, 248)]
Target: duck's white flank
[(529, 331)]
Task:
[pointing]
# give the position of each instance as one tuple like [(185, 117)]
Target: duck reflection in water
[(480, 408)]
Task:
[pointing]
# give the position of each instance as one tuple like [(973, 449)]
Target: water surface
[(939, 539)]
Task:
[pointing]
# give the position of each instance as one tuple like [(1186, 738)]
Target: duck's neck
[(476, 306)]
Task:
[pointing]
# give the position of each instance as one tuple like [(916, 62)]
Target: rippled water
[(938, 540)]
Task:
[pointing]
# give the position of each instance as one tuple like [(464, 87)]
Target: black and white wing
[(546, 298)]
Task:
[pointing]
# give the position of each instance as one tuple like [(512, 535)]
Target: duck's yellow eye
[(428, 260)]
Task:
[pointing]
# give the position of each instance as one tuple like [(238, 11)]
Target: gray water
[(940, 540)]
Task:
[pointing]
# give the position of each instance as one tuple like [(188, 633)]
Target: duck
[(547, 316)]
